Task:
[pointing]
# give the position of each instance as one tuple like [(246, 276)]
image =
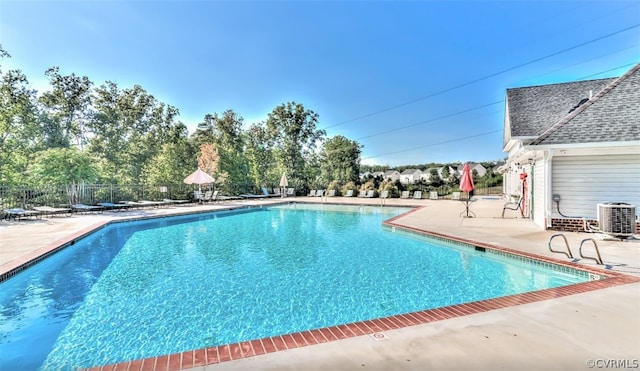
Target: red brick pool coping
[(245, 349)]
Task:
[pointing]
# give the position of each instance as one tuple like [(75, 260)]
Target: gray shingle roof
[(612, 115), (534, 109)]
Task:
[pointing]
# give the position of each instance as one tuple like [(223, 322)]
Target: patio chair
[(362, 194), (384, 194), (417, 195), (312, 193), (370, 193), (404, 194), (455, 196), (331, 193), (433, 195), (291, 192), (349, 193), (320, 193), (512, 205)]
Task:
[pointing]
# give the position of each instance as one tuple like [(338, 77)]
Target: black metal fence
[(26, 197)]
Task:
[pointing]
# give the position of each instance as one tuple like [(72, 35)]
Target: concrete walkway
[(596, 329)]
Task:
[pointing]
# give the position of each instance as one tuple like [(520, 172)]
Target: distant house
[(480, 170), (572, 146), (410, 176), (391, 175)]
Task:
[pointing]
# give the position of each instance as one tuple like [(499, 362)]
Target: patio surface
[(595, 329)]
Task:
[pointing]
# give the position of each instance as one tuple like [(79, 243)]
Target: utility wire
[(435, 144), (487, 76), (431, 120)]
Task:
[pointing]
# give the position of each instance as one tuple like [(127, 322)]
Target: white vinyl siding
[(538, 193), (585, 181)]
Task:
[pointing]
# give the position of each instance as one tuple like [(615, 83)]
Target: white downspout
[(548, 191)]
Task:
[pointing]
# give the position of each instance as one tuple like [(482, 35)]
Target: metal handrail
[(568, 253), (597, 259)]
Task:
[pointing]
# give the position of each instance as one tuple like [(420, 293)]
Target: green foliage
[(335, 185), (19, 132), (66, 107), (292, 130), (389, 186), (340, 160), (349, 186), (62, 166)]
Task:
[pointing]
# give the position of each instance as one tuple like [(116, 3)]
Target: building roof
[(534, 109), (409, 172), (611, 115)]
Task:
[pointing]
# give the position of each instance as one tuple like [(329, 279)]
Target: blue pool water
[(146, 288)]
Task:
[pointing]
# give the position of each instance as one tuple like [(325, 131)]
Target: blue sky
[(413, 82)]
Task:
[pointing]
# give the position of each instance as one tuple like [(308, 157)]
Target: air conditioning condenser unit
[(617, 219)]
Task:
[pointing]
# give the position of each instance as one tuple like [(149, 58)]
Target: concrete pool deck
[(600, 326)]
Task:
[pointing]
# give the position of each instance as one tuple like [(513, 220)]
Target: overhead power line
[(435, 144), (431, 120), (487, 76)]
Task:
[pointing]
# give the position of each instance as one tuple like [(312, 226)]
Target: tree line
[(79, 132)]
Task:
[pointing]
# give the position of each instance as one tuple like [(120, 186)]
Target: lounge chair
[(349, 193), (291, 192), (362, 193), (175, 202), (404, 194), (198, 196), (417, 195), (79, 208), (384, 194), (312, 193), (331, 193), (48, 210), (370, 194), (266, 193), (320, 193), (112, 206), (18, 213), (151, 203), (433, 195), (133, 204), (455, 196)]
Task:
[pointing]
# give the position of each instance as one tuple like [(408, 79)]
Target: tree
[(63, 166), (434, 178), (293, 131), (66, 109), (19, 133), (174, 161), (340, 160), (209, 161), (230, 143), (259, 154)]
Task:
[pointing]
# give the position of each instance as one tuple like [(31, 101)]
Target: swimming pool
[(145, 288)]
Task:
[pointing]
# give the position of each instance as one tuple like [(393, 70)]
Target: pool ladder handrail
[(568, 253), (597, 259)]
